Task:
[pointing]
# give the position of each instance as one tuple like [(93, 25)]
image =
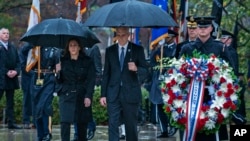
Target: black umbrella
[(56, 33), (130, 13)]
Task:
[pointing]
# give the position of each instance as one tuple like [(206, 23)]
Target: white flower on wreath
[(218, 102), (210, 124)]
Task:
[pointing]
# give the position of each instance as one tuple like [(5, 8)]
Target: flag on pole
[(81, 9), (183, 13), (173, 13), (34, 18), (159, 33), (217, 13)]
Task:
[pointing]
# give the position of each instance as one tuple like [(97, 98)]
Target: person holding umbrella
[(121, 89), (76, 75)]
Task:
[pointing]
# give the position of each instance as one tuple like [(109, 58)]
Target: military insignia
[(191, 18), (39, 82)]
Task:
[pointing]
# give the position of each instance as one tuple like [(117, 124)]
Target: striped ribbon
[(194, 103)]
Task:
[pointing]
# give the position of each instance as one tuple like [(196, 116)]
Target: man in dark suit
[(9, 71), (121, 89)]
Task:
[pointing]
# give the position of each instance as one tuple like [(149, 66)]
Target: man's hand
[(103, 102), (87, 102)]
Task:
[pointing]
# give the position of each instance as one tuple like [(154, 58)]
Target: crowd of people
[(74, 72)]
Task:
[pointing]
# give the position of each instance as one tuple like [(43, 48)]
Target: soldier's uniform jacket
[(211, 46), (169, 50), (43, 94)]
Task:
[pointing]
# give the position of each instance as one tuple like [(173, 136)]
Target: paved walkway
[(147, 132)]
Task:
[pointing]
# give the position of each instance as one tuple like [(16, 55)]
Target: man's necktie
[(122, 58)]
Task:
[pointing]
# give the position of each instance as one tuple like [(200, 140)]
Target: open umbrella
[(56, 33), (130, 13)]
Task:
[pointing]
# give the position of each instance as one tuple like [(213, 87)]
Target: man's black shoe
[(75, 138), (163, 135), (14, 127), (47, 137), (122, 137), (91, 134), (26, 126)]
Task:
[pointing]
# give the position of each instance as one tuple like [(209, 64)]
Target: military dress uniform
[(169, 51), (211, 46), (43, 87)]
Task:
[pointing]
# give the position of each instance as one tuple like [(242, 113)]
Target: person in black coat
[(205, 44), (121, 88), (95, 54), (9, 71), (76, 75)]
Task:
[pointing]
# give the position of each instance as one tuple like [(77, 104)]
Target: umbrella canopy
[(130, 13), (56, 33)]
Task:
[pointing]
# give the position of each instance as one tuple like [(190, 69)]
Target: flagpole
[(78, 17)]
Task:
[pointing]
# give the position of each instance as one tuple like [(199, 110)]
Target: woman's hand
[(11, 73)]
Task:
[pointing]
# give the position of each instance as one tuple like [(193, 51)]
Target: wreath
[(218, 92)]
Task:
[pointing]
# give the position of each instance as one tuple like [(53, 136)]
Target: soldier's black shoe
[(122, 137), (47, 137), (91, 134), (163, 135), (238, 119)]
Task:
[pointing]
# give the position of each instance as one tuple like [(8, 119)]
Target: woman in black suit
[(77, 79), (121, 89)]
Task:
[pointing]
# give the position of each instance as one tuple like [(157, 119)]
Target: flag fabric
[(81, 9), (217, 9), (34, 18), (173, 14), (83, 5), (183, 13), (236, 32), (159, 33)]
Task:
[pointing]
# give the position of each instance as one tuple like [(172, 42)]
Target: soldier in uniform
[(169, 50), (228, 38), (205, 44), (43, 87), (192, 34)]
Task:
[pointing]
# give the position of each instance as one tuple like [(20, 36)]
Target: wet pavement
[(147, 132)]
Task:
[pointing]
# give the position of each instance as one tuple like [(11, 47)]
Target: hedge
[(99, 112)]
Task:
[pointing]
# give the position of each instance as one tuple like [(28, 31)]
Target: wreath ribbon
[(194, 103)]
